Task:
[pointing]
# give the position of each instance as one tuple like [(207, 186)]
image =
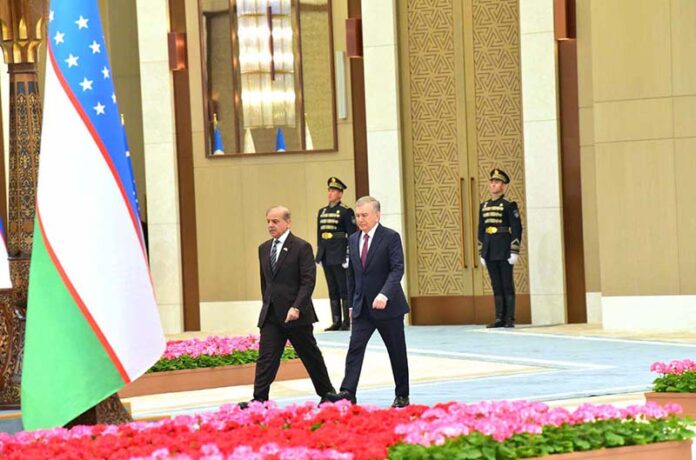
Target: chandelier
[(266, 62)]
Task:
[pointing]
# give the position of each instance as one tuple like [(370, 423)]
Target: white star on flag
[(95, 47), (113, 97), (50, 16), (111, 321), (86, 84), (72, 60), (81, 23)]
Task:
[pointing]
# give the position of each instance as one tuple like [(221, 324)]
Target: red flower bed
[(334, 431)]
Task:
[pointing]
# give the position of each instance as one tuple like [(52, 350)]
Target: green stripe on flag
[(62, 355)]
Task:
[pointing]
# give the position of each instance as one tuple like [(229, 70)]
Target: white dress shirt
[(281, 242)]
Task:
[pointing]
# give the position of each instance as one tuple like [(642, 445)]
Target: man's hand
[(380, 302), (345, 263), (513, 259), (293, 314), (483, 261)]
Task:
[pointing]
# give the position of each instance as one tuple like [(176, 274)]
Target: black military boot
[(345, 326), (510, 310), (335, 316), (499, 306)]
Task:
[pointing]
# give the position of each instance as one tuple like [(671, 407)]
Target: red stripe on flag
[(105, 155), (80, 303), (102, 149)]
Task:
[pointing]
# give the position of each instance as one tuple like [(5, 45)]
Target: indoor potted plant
[(196, 364)]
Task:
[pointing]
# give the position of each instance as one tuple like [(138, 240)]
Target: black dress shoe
[(342, 395), (345, 327), (497, 323), (245, 404), (401, 401), (509, 324), (333, 327)]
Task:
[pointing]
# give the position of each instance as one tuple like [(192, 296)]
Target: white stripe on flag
[(5, 280), (88, 225)]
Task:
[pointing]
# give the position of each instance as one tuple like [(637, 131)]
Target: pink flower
[(673, 367)]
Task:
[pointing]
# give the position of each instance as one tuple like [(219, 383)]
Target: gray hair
[(283, 209), (376, 207)]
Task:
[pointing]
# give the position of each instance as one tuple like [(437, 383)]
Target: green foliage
[(553, 440), (676, 383), (233, 359)]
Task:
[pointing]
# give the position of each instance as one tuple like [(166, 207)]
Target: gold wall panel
[(498, 97), (434, 149), (683, 46), (638, 119), (631, 37), (684, 170), (637, 216)]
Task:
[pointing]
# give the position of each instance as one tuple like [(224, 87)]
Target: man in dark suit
[(335, 223), (377, 261), (499, 238), (288, 275)]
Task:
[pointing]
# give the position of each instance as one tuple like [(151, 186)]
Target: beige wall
[(232, 194), (638, 112)]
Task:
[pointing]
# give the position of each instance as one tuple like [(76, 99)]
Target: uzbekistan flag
[(92, 323), (5, 280)]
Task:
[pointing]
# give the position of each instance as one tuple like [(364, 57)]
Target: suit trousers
[(271, 346), (500, 272), (392, 332)]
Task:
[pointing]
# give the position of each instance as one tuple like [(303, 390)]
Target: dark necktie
[(363, 251), (274, 253)]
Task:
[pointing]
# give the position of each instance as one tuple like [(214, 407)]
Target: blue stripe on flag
[(76, 40)]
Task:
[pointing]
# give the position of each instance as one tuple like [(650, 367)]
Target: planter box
[(209, 377), (686, 400), (674, 450)]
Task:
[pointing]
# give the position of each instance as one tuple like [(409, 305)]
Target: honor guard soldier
[(499, 238), (335, 223)]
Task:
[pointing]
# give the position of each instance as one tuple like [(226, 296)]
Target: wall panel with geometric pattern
[(438, 141), (434, 149), (498, 95)]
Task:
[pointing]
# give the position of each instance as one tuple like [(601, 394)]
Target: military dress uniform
[(499, 236), (335, 223)]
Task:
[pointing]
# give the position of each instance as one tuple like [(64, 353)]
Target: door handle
[(472, 190), (462, 186)]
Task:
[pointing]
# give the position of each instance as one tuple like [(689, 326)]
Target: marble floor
[(562, 365)]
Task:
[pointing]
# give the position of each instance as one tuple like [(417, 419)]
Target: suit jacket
[(292, 283), (383, 271)]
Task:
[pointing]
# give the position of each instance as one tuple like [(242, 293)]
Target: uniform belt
[(491, 230), (329, 235)]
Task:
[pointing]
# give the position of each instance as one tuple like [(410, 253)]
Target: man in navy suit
[(288, 275), (379, 303)]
